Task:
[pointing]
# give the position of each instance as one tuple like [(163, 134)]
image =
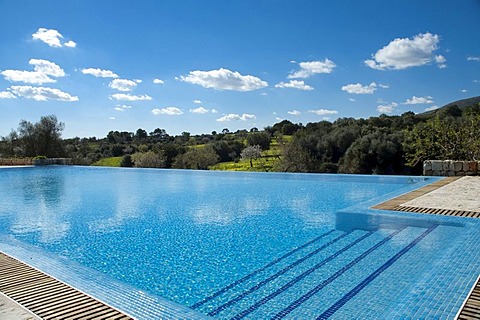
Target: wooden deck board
[(471, 307), (47, 297)]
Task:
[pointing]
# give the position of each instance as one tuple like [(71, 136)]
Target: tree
[(141, 134), (126, 161), (377, 153), (446, 138), (251, 153), (196, 158), (42, 138), (9, 146), (148, 159), (261, 139)]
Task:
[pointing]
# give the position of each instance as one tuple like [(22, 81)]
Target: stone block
[(437, 165), (458, 166), (427, 165), (428, 172)]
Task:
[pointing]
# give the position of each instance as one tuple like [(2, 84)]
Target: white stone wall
[(449, 168)]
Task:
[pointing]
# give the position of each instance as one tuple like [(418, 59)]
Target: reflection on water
[(44, 208)]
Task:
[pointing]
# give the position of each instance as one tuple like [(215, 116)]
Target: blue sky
[(200, 66)]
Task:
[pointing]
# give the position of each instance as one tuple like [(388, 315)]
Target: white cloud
[(295, 84), (197, 101), (129, 97), (122, 107), (322, 112), (43, 70), (158, 81), (351, 100), (214, 111), (47, 67), (431, 108), (99, 73), (440, 60), (70, 44), (463, 90), (6, 95), (199, 110), (357, 88), (419, 100), (42, 93), (473, 58), (52, 38), (236, 117), (32, 77), (383, 86), (171, 111), (224, 79), (407, 52), (123, 84), (294, 112), (387, 108), (310, 68), (111, 118)]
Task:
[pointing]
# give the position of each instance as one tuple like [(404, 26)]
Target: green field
[(264, 164), (108, 162)]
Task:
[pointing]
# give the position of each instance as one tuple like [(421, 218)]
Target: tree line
[(377, 145)]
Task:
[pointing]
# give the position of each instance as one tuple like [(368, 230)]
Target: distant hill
[(459, 103)]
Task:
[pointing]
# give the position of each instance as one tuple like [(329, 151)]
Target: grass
[(264, 164), (108, 162)]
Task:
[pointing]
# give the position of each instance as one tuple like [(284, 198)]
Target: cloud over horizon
[(387, 108), (308, 69), (224, 79), (236, 117), (169, 111), (42, 93), (130, 97), (43, 71), (99, 73), (357, 88), (295, 84), (124, 84), (322, 112), (419, 100)]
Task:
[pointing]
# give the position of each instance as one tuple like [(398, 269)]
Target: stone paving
[(461, 194)]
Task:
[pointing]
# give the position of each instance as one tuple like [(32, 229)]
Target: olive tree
[(251, 153)]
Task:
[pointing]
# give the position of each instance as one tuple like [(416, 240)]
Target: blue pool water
[(239, 245)]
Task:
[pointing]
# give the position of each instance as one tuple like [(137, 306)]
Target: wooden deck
[(47, 297), (471, 307), (396, 204)]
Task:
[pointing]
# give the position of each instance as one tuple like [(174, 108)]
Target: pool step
[(326, 274), (47, 297)]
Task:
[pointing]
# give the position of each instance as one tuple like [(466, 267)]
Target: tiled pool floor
[(393, 204)]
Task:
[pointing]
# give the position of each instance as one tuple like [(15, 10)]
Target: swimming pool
[(238, 245)]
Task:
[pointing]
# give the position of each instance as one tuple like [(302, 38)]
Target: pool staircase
[(318, 279)]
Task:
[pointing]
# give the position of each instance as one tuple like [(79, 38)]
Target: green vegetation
[(377, 145), (108, 162)]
